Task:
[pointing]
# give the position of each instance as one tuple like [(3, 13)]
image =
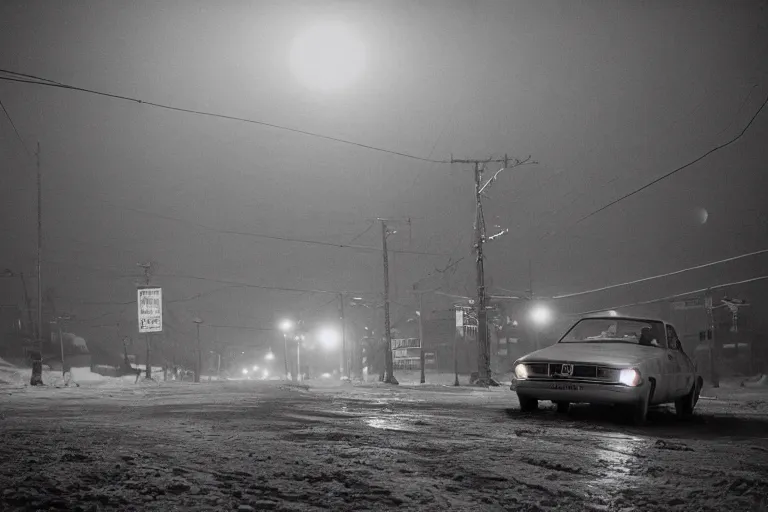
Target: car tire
[(563, 407), (684, 406), (639, 411), (527, 404)]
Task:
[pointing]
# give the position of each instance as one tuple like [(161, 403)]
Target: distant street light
[(270, 356), (541, 315), (328, 337), (198, 321), (286, 326)]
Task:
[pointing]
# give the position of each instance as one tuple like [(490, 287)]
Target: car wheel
[(640, 409), (684, 406), (528, 404), (562, 407)]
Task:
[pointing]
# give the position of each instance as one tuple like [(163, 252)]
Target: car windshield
[(597, 330)]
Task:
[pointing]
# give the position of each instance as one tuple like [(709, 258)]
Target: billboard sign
[(150, 301), (696, 303)]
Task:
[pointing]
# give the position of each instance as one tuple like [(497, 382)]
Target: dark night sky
[(605, 95)]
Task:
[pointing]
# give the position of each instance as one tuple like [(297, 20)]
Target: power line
[(18, 135), (269, 237), (250, 285), (675, 296), (697, 267), (240, 327), (667, 175), (31, 79)]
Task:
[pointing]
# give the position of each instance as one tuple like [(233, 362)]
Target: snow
[(264, 445)]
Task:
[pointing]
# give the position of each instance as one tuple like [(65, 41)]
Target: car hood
[(612, 354)]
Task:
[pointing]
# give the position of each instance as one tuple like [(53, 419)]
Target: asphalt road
[(268, 446)]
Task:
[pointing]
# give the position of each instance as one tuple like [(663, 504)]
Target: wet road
[(265, 446)]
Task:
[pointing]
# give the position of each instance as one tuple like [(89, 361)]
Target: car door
[(678, 364), (687, 367)]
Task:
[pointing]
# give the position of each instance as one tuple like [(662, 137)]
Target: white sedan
[(631, 362)]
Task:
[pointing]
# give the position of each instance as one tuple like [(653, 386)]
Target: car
[(625, 361)]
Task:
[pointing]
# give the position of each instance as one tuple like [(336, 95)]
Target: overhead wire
[(644, 279), (36, 80), (675, 296), (15, 130), (680, 168)]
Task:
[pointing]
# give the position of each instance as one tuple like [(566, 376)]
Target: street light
[(541, 315), (270, 356), (198, 321), (328, 338), (285, 326), (58, 320)]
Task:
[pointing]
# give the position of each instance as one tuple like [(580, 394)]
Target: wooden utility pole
[(422, 378), (483, 340), (147, 268), (37, 364), (198, 321), (344, 370), (713, 352), (389, 376)]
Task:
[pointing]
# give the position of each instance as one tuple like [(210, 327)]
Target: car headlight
[(629, 377), (521, 372)]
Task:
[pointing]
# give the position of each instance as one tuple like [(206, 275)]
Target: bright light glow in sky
[(327, 57)]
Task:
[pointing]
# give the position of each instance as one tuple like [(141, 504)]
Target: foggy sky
[(606, 96)]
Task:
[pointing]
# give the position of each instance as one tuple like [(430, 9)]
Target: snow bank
[(15, 377), (10, 375)]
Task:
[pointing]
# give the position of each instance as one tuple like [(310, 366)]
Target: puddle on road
[(400, 423), (616, 454)]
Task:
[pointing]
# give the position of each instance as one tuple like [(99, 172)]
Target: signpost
[(696, 303), (150, 302)]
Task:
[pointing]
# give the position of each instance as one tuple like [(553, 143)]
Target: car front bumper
[(575, 391)]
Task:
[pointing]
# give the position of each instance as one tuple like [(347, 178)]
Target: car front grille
[(580, 371)]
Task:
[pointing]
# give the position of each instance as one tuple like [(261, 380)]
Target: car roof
[(623, 317)]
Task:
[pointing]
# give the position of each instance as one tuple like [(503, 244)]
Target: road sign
[(696, 303), (150, 302)]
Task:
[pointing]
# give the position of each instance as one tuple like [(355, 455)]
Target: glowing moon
[(327, 57), (702, 215)]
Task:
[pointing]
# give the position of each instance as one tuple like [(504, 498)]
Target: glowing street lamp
[(286, 326), (541, 315), (270, 356), (328, 338)]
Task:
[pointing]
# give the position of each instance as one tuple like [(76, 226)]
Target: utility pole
[(422, 377), (344, 363), (422, 356), (459, 331), (484, 349), (198, 321), (27, 303), (147, 268), (713, 352), (389, 376), (37, 364)]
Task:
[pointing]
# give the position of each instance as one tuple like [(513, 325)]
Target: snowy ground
[(260, 445)]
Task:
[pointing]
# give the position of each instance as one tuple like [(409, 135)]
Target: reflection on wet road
[(275, 447)]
